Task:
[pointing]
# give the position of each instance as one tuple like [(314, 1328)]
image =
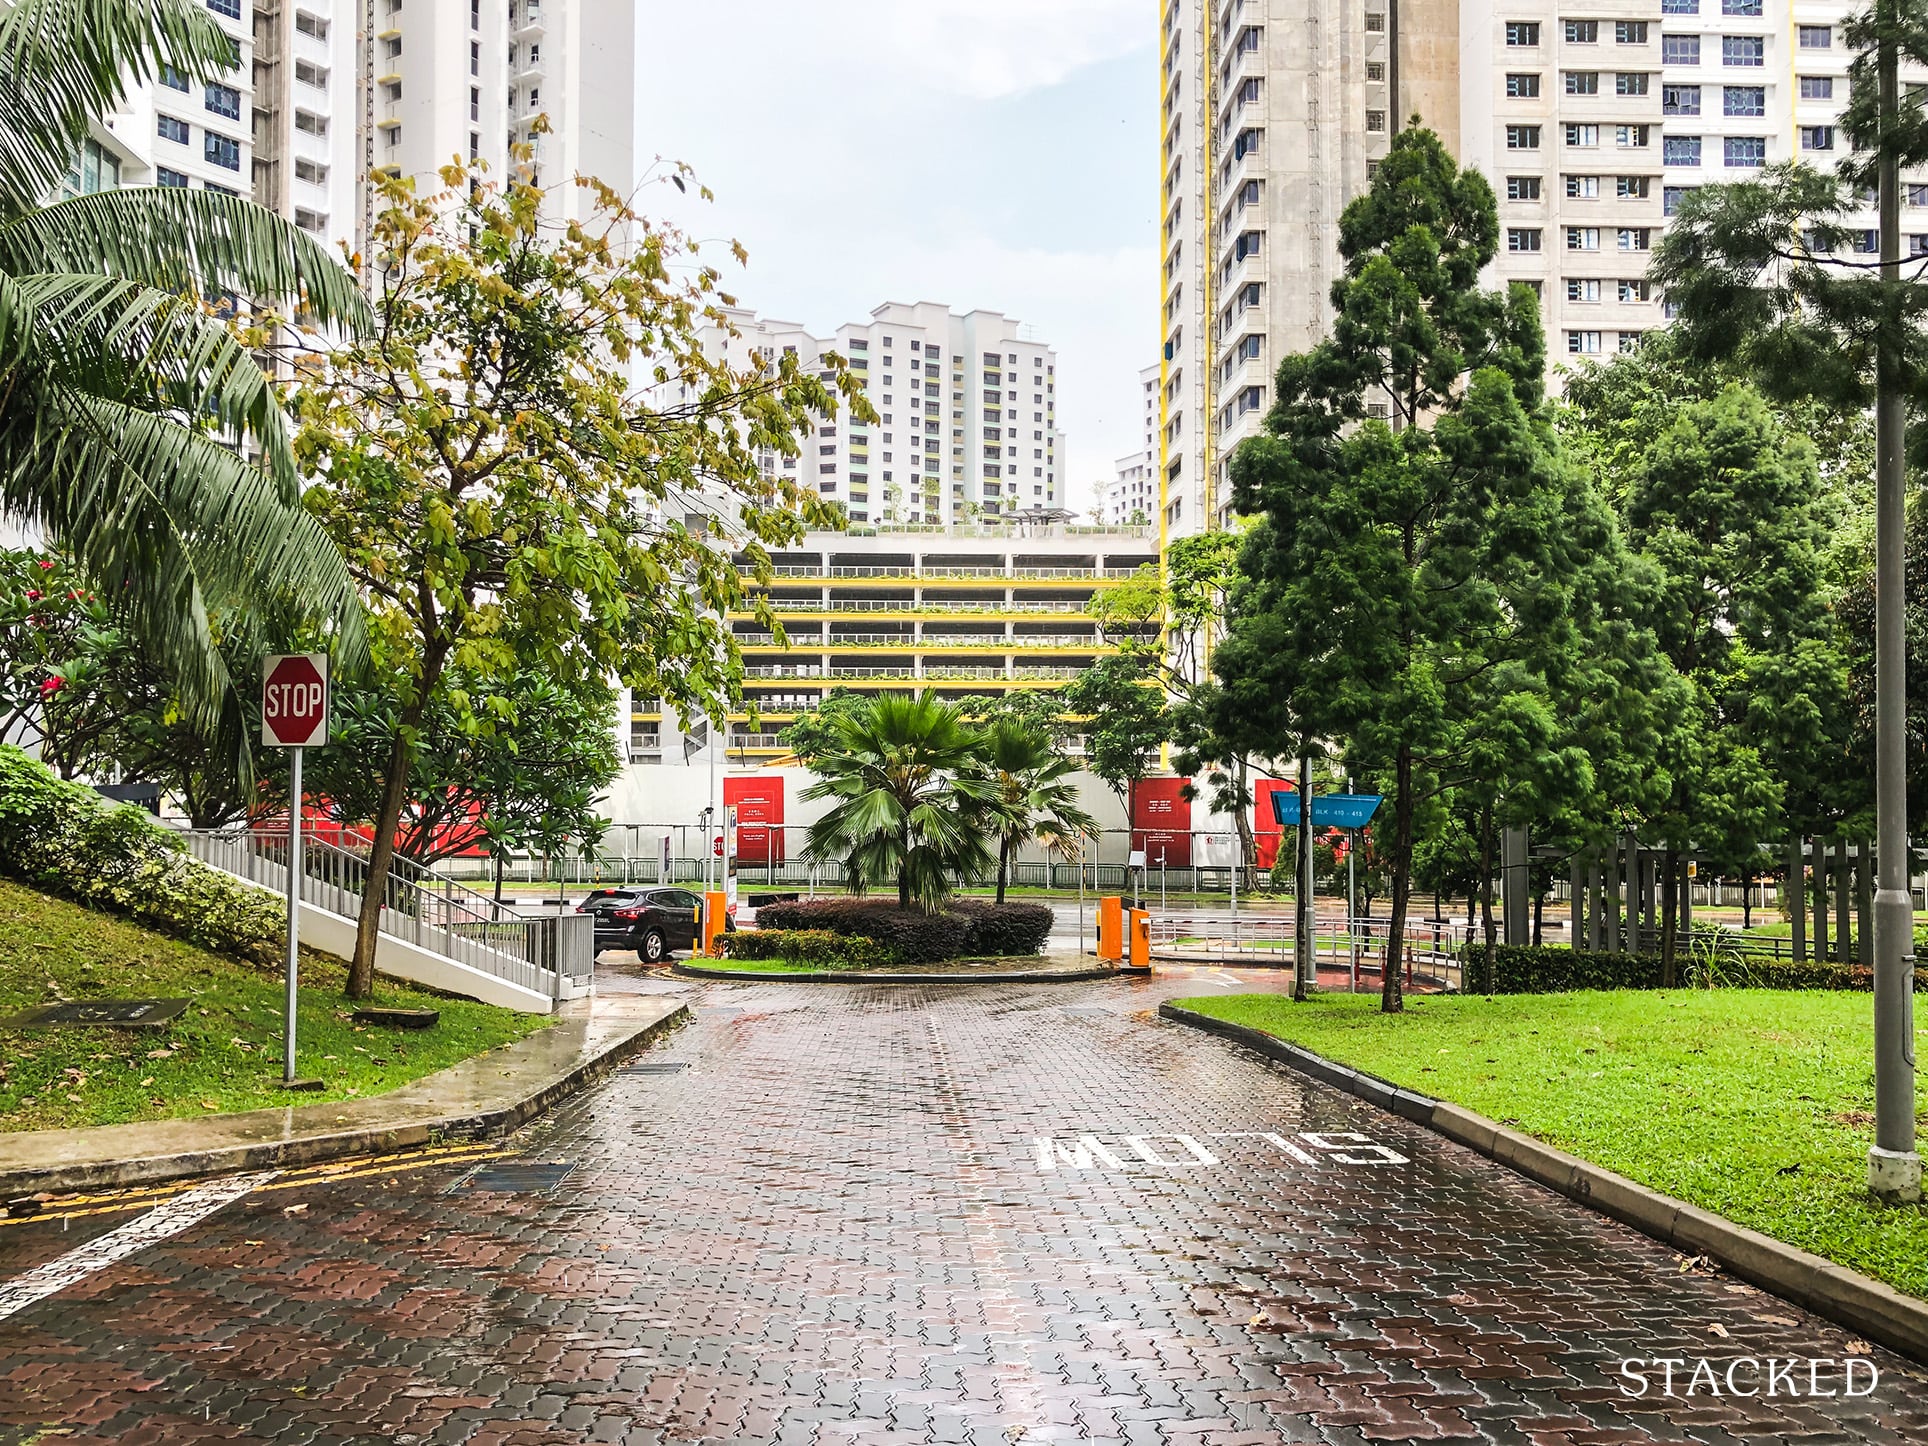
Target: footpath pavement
[(868, 1215)]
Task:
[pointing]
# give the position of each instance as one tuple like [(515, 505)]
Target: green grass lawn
[(1755, 1104), (223, 1054)]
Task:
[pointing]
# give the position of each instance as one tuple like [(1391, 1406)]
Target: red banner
[(758, 801), (1162, 823), (1268, 834)]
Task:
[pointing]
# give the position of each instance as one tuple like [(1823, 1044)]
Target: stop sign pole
[(294, 715)]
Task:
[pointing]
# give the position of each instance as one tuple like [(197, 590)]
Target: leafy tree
[(131, 416), (1421, 596), (505, 495), (813, 732), (1855, 612), (909, 799), (1038, 710), (1033, 796), (1125, 720)]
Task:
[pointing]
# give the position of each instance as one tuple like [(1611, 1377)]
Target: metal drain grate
[(518, 1177), (656, 1066)]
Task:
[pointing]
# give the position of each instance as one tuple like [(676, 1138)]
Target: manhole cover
[(135, 1013), (656, 1066), (517, 1178)]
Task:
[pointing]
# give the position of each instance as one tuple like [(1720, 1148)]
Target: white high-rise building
[(1591, 120), (1130, 498), (468, 78), (967, 406)]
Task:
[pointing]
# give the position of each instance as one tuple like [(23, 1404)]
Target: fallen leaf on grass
[(160, 1054), (145, 1083), (209, 1105)]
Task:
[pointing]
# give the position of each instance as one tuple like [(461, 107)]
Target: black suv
[(657, 921), (601, 903)]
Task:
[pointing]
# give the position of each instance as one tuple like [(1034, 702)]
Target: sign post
[(294, 715)]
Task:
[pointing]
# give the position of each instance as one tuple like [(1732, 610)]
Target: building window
[(1815, 37), (1740, 7), (1583, 238), (1522, 188), (1630, 32), (311, 25), (1635, 290), (1630, 83), (1375, 70), (1866, 242), (173, 79), (1375, 120), (1633, 238), (1583, 136), (1250, 348), (1680, 7), (1375, 22), (1745, 150), (1631, 187), (171, 129), (220, 150), (1671, 197), (1680, 150), (229, 8), (1680, 50), (1747, 50), (1522, 32), (1583, 343), (1583, 188), (1630, 341), (1580, 289), (1817, 87), (1249, 243), (1631, 138), (308, 123), (1582, 32), (1680, 100), (1522, 138), (1583, 82), (224, 100), (168, 176), (1521, 238), (1523, 86), (1744, 99), (1817, 138)]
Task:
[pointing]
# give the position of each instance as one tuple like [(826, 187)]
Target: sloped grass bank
[(224, 1053), (1755, 1104)]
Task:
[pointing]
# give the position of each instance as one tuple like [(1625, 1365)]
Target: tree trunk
[(498, 880), (1539, 913), (1392, 999), (401, 756), (1669, 907), (1003, 862), (903, 870), (1247, 845), (1488, 927)]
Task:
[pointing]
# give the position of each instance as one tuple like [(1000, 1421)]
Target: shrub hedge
[(818, 947), (1556, 969), (65, 839), (967, 928)]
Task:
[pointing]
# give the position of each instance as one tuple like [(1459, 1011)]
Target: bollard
[(1111, 928)]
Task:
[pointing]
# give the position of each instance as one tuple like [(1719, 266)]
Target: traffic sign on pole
[(294, 715)]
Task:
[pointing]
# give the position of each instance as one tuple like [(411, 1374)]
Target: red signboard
[(758, 801), (294, 701), (1162, 825), (1268, 834)]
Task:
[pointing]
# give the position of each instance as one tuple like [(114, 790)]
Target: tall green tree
[(509, 459), (1418, 590), (1034, 797), (909, 799), (137, 429), (1126, 721)]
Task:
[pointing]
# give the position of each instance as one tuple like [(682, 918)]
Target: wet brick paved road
[(836, 1226)]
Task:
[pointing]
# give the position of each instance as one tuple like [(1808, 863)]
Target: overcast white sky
[(985, 153)]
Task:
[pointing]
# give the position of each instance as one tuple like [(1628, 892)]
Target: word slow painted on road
[(1310, 1147)]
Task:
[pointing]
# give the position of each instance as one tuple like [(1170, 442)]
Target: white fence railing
[(552, 954), (1356, 945)]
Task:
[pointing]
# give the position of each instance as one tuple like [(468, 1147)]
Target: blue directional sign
[(1329, 810)]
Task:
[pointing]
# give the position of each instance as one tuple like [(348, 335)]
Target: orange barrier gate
[(1111, 928), (1140, 952), (715, 911)]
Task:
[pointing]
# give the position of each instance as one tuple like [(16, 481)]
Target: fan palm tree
[(136, 431), (1033, 797), (909, 798)]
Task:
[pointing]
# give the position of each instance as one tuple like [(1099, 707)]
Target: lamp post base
[(1895, 1175)]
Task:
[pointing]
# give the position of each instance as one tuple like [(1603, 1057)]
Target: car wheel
[(654, 948)]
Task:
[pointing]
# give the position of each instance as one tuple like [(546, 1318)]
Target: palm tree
[(909, 795), (136, 431), (1033, 796)]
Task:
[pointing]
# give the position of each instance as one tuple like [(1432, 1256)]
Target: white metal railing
[(549, 954), (1353, 945), (1069, 606)]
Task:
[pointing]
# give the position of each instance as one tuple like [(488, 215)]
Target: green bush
[(1006, 928), (817, 947), (1556, 969), (65, 839), (966, 929)]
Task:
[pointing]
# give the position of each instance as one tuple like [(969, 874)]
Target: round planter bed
[(971, 971)]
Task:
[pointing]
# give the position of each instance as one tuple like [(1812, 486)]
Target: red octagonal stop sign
[(294, 701)]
